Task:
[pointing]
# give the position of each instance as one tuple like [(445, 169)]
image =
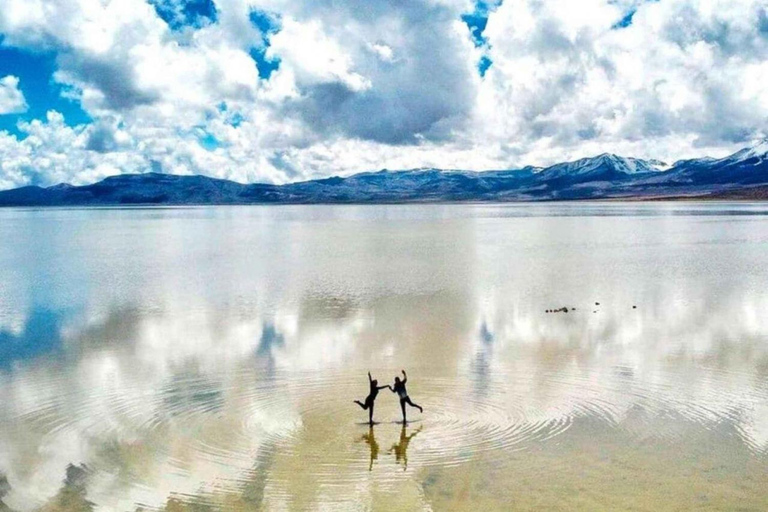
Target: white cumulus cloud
[(11, 98)]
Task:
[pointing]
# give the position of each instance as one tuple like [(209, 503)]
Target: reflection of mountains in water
[(743, 174)]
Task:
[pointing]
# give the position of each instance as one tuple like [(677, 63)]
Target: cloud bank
[(277, 91)]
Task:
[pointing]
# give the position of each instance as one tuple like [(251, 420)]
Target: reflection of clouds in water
[(12, 320), (754, 423), (5, 488), (480, 366), (481, 343), (322, 344), (35, 465), (218, 353), (57, 416), (73, 492), (682, 354), (270, 340), (39, 333), (170, 399)]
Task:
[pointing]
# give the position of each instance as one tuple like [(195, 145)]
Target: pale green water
[(207, 358)]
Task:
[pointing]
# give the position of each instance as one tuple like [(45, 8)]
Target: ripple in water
[(237, 421)]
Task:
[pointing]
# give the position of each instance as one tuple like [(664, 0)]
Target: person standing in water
[(372, 393), (399, 388)]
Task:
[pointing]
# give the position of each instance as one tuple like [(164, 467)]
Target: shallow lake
[(208, 358)]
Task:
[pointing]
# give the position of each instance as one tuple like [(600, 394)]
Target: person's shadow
[(401, 449), (370, 440)]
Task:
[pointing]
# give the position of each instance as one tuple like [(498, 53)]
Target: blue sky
[(35, 73), (268, 24), (267, 90), (183, 14)]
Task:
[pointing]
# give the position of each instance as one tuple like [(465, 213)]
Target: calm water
[(207, 358)]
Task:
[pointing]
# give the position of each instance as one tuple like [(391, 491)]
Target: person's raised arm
[(370, 379), (405, 377)]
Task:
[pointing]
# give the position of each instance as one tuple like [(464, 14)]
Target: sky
[(286, 90)]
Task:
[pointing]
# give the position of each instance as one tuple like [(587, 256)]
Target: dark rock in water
[(563, 309), (5, 487), (597, 303), (76, 475)]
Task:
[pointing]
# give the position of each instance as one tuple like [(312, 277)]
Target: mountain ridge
[(605, 176)]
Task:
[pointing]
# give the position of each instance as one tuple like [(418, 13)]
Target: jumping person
[(399, 388), (371, 397)]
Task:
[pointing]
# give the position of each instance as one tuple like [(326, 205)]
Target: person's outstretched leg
[(361, 404), (420, 408), (402, 406)]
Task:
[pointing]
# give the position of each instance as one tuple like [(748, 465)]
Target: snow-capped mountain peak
[(758, 150), (606, 162)]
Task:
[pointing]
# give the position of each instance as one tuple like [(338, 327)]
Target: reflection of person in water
[(401, 449), (370, 440), (372, 393), (399, 388)]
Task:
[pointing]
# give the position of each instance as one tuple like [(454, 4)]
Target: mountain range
[(743, 174)]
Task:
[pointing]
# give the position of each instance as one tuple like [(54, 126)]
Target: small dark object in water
[(634, 307), (597, 303), (563, 309), (594, 311)]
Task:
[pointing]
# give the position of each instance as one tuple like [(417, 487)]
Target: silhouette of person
[(401, 448), (374, 391), (370, 440), (399, 388)]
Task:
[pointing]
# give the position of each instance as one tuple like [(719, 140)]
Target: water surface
[(207, 358)]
